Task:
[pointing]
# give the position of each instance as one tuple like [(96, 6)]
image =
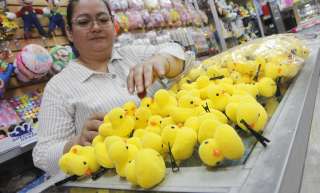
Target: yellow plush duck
[(252, 117), (147, 169), (210, 153), (121, 153), (186, 108), (142, 115), (80, 161), (218, 96), (229, 141), (130, 108), (100, 151), (267, 87), (184, 143), (163, 103), (117, 122), (226, 143), (154, 124)]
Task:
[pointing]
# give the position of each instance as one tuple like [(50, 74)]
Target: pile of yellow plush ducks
[(239, 88)]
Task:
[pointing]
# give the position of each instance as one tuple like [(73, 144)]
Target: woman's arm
[(161, 60), (56, 128)]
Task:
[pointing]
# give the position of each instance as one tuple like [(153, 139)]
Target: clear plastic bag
[(136, 4)]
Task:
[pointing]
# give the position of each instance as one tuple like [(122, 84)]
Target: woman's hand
[(143, 75), (88, 133)]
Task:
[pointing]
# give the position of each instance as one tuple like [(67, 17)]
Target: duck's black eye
[(121, 116), (172, 127), (137, 118), (217, 94), (191, 102), (84, 163), (160, 122), (127, 147), (148, 105), (206, 142)]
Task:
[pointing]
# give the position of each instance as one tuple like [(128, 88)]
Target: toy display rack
[(277, 168)]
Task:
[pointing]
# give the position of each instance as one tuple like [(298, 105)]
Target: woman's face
[(92, 30)]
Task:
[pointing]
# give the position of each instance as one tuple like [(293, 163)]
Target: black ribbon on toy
[(99, 173), (257, 74), (206, 107), (217, 77), (174, 165), (68, 179), (278, 92), (257, 135)]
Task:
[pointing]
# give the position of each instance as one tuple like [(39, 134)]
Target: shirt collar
[(85, 73)]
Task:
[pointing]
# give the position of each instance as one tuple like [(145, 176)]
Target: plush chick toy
[(185, 109), (146, 102), (202, 83), (147, 169), (100, 151), (267, 87), (207, 129), (79, 161), (242, 88), (117, 122), (229, 142), (163, 103), (121, 153), (252, 117), (142, 115), (253, 114), (210, 153), (218, 96), (130, 108), (154, 124), (183, 146)]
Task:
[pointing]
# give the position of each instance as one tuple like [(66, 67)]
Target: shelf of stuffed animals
[(255, 103), (139, 17)]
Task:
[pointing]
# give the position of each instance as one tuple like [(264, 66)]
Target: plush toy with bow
[(55, 17), (29, 17)]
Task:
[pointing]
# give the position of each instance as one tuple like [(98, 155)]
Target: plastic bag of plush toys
[(118, 5), (136, 4), (199, 114), (135, 20)]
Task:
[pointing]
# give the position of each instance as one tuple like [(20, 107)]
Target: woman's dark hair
[(70, 8)]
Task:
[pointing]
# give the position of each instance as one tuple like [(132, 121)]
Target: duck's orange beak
[(153, 123), (87, 172), (216, 153)]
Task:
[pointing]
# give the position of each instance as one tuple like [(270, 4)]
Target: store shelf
[(15, 152)]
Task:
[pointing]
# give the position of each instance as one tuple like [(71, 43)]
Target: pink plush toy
[(32, 62)]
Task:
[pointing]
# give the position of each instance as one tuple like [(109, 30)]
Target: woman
[(100, 79)]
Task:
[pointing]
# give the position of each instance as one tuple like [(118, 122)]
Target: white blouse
[(71, 96)]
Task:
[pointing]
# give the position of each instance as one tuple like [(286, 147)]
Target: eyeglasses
[(86, 21)]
